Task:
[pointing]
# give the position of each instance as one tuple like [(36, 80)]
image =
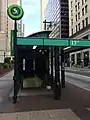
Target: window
[(79, 15), (71, 12), (71, 21), (78, 5), (72, 31), (79, 26), (86, 9), (76, 28), (86, 21), (76, 17), (83, 12), (82, 2), (76, 8), (71, 4), (83, 24)]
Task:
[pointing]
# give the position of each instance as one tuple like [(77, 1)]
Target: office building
[(79, 28), (6, 25), (57, 13), (43, 7)]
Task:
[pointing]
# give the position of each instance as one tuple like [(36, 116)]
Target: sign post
[(15, 12)]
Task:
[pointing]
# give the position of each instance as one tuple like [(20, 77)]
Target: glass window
[(73, 59), (78, 58), (72, 31), (76, 8), (76, 28), (86, 21), (78, 5), (83, 12), (82, 2), (71, 21), (83, 24), (71, 3), (86, 58), (76, 17), (79, 15), (71, 12), (86, 9), (79, 26)]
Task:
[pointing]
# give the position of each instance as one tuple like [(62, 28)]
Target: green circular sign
[(15, 12)]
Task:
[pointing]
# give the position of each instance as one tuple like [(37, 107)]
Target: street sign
[(15, 12), (55, 42), (41, 41), (29, 41), (80, 43), (12, 43)]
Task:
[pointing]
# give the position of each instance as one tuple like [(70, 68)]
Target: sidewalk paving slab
[(73, 98), (64, 114)]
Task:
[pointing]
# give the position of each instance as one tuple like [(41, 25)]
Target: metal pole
[(52, 61), (45, 25), (57, 86), (15, 63), (62, 69), (21, 19)]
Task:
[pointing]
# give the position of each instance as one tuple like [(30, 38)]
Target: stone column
[(75, 58)]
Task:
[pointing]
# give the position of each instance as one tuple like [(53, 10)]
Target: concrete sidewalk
[(74, 105), (6, 84)]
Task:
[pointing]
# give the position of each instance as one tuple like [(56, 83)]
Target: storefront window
[(78, 58), (73, 59), (86, 59)]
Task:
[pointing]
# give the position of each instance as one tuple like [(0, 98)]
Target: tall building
[(43, 7), (57, 13), (79, 28), (6, 25), (79, 15)]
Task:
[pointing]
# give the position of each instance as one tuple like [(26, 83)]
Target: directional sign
[(53, 42), (29, 41), (80, 43), (42, 41), (15, 12)]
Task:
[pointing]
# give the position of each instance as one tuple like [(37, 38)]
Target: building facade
[(79, 21), (43, 7), (58, 14), (6, 25)]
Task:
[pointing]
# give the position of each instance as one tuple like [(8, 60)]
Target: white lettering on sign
[(75, 42), (15, 11)]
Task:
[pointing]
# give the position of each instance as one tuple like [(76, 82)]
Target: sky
[(31, 17)]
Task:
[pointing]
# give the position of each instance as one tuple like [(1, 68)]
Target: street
[(44, 106), (77, 77)]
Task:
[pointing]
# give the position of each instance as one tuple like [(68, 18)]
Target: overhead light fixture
[(40, 50), (66, 48), (34, 47)]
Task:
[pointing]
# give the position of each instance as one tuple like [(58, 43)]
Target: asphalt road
[(78, 78), (80, 72)]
